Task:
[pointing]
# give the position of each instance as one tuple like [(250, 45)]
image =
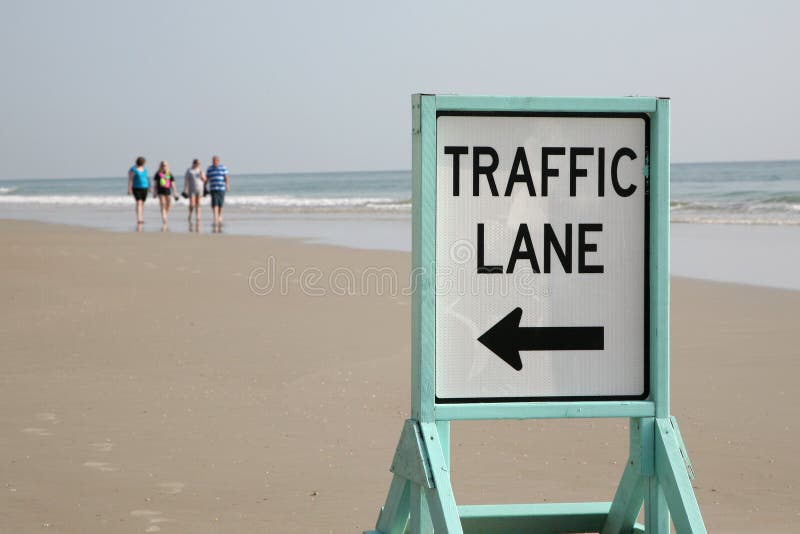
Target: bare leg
[(197, 206), (162, 201), (139, 210)]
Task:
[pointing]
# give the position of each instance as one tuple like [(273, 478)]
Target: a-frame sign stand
[(658, 472)]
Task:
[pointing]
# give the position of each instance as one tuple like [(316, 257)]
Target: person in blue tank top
[(138, 186)]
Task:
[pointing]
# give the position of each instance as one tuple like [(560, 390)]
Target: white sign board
[(541, 257)]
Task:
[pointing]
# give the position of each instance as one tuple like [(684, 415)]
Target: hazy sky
[(316, 86)]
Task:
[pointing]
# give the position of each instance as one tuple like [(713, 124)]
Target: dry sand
[(146, 387)]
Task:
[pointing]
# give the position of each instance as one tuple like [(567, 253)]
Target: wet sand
[(169, 383)]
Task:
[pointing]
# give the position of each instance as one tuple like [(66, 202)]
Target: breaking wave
[(244, 201)]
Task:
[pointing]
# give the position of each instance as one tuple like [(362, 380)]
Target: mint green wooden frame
[(657, 474), (423, 405)]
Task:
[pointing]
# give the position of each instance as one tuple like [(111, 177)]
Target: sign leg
[(631, 490), (627, 501), (674, 478), (656, 513), (441, 501), (421, 495), (394, 514), (420, 521)]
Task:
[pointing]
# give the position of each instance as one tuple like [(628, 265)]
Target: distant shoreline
[(717, 253), (734, 222)]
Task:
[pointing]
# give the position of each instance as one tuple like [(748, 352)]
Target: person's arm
[(130, 182), (227, 183), (173, 188)]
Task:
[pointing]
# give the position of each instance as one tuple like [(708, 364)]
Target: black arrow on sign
[(507, 338)]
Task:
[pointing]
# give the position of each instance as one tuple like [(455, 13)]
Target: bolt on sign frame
[(658, 471)]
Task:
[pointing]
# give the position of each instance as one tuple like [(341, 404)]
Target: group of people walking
[(196, 184)]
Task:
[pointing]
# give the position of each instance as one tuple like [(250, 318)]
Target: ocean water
[(734, 221), (765, 192), (362, 192), (704, 193)]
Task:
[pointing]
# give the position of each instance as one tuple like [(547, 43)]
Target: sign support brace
[(657, 470)]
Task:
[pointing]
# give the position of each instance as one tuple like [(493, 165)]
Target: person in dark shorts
[(218, 185), (164, 188), (138, 186)]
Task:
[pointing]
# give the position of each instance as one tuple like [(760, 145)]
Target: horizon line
[(96, 177)]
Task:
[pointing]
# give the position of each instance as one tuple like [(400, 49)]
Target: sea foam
[(243, 201)]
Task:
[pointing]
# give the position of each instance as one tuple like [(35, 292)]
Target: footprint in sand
[(102, 446), (153, 518), (170, 488), (145, 513), (101, 466), (37, 431), (47, 416)]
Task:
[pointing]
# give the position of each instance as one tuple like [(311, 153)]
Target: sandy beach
[(171, 383)]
